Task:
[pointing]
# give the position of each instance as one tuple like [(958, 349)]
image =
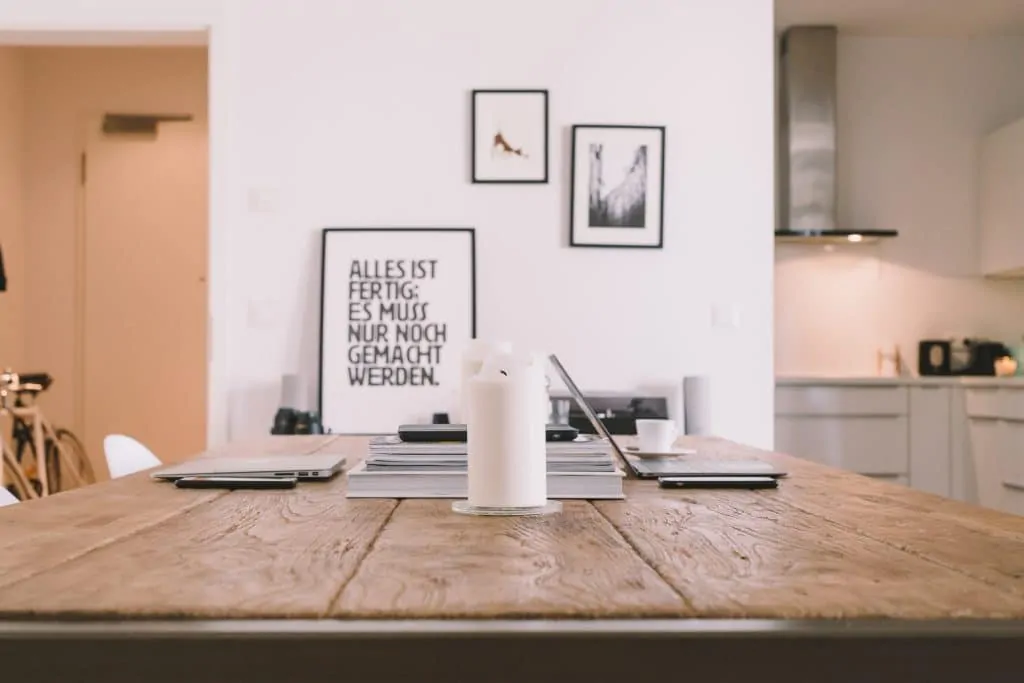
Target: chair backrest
[(126, 456), (6, 497)]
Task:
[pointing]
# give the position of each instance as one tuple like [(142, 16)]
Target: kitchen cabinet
[(963, 478), (995, 417), (1001, 201), (863, 429), (956, 437), (929, 442)]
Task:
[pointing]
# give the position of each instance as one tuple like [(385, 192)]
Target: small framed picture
[(510, 136), (618, 186)]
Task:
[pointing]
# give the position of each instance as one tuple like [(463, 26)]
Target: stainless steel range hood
[(807, 139)]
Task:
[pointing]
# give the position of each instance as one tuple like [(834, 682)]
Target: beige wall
[(66, 88), (12, 226)]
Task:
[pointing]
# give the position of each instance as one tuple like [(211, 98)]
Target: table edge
[(145, 629)]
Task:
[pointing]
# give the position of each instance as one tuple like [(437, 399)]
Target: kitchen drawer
[(868, 445), (838, 400), (997, 449), (995, 403), (1012, 498)]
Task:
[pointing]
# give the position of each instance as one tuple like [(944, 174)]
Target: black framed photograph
[(617, 194), (397, 309), (510, 136)]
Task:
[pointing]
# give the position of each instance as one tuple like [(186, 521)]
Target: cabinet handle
[(1013, 485)]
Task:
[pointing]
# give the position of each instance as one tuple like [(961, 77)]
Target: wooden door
[(144, 293)]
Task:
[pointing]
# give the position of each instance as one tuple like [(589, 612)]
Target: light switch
[(725, 317), (262, 315), (264, 200)]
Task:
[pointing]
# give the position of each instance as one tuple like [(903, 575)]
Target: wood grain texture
[(749, 554), (978, 542), (245, 554), (826, 544), (430, 562), (40, 534), (983, 544)]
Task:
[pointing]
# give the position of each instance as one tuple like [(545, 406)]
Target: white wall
[(353, 113), (911, 114), (12, 226), (67, 89)]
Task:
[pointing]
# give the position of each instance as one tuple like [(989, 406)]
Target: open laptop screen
[(652, 469), (595, 421)]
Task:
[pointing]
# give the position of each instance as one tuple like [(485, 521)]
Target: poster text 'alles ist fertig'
[(391, 339)]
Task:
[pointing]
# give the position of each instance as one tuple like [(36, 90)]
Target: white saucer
[(674, 453)]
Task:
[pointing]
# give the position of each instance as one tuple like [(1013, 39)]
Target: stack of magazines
[(584, 468)]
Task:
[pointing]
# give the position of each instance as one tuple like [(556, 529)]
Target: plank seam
[(331, 604), (636, 550), (116, 539), (902, 548)]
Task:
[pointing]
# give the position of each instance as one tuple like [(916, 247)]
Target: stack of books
[(584, 468)]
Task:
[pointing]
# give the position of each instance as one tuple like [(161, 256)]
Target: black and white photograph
[(617, 186), (510, 136), (398, 307)]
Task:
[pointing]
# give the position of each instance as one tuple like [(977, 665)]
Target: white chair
[(127, 456), (6, 497)]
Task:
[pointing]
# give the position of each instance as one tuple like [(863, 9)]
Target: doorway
[(115, 224)]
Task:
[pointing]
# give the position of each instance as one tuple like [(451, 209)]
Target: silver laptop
[(690, 466), (301, 467)]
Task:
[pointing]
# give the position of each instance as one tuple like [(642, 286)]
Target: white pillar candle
[(506, 445), (473, 357)]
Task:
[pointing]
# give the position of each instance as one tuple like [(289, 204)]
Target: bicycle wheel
[(53, 467), (78, 460), (18, 484), (21, 437)]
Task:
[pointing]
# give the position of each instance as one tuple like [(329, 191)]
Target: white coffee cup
[(655, 436)]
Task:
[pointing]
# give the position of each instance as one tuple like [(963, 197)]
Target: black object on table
[(289, 421), (618, 413)]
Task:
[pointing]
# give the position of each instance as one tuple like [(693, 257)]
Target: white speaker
[(697, 405), (294, 393)]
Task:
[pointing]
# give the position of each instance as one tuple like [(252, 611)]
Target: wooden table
[(832, 577)]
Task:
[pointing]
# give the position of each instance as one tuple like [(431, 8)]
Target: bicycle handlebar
[(35, 381), (31, 383)]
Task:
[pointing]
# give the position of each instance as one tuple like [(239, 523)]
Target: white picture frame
[(397, 308)]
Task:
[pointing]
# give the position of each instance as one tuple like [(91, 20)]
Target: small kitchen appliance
[(974, 357)]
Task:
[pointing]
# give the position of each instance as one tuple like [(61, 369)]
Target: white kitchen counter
[(1016, 382)]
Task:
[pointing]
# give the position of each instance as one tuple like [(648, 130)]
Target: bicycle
[(64, 463)]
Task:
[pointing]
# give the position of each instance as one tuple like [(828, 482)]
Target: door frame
[(142, 24)]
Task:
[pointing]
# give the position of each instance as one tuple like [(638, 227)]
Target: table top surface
[(826, 544)]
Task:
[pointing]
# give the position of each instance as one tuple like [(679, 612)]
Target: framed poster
[(397, 307), (510, 136), (617, 192)]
